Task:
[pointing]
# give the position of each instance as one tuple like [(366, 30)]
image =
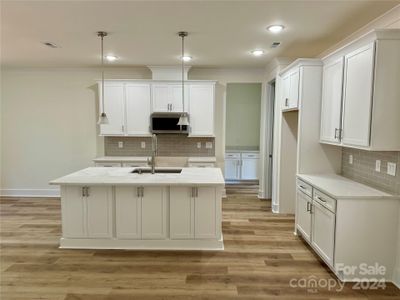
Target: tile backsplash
[(363, 169), (168, 145)]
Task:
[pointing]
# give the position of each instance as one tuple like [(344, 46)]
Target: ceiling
[(221, 33)]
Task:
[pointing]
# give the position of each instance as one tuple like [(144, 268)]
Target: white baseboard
[(275, 208), (224, 193), (30, 192), (396, 277)]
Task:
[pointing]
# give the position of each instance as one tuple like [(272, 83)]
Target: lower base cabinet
[(303, 215)]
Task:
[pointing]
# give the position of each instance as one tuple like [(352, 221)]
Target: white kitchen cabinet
[(137, 104), (249, 166), (114, 104), (357, 96), (154, 218), (128, 208), (232, 166), (201, 109), (331, 107), (88, 211), (206, 212), (291, 81), (181, 213), (303, 214), (323, 231), (167, 97), (370, 93)]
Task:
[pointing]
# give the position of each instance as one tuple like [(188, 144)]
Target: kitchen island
[(130, 208)]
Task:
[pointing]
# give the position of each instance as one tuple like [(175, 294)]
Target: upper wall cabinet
[(290, 92), (167, 97), (361, 92), (201, 109), (128, 108)]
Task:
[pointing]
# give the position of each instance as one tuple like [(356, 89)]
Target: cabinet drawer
[(232, 155), (250, 155), (325, 200), (304, 187)]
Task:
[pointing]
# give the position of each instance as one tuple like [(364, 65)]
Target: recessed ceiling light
[(257, 52), (275, 28), (186, 58), (111, 57)]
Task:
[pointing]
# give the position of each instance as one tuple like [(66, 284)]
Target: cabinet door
[(205, 213), (138, 109), (153, 213), (285, 91), (99, 212), (332, 87), (161, 99), (303, 215), (181, 203), (294, 89), (323, 232), (114, 108), (232, 169), (201, 108), (73, 212), (128, 212), (175, 96), (249, 170), (357, 98)]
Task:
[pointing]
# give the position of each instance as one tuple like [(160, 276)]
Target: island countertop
[(124, 176)]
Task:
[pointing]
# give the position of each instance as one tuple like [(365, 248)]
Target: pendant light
[(103, 117), (184, 118)]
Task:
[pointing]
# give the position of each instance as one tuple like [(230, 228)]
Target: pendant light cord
[(102, 74), (183, 74)]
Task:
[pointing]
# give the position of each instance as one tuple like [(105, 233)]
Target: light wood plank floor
[(261, 257)]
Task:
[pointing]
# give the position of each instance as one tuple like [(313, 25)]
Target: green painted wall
[(243, 106)]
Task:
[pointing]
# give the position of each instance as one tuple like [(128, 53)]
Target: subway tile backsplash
[(363, 169), (168, 145)]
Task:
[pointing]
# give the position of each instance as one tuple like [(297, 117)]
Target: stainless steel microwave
[(167, 123)]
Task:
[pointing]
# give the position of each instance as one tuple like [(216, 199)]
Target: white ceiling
[(221, 33)]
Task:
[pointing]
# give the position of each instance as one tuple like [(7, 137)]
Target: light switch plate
[(143, 145), (120, 144), (378, 165), (198, 145), (351, 159), (391, 168), (209, 145)]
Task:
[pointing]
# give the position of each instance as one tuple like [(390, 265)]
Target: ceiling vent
[(51, 45), (275, 44)]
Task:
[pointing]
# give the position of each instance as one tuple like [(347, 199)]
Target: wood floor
[(261, 258)]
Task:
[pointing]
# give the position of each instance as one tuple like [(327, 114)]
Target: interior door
[(323, 232), (99, 212), (181, 224), (303, 215), (332, 87), (128, 211), (138, 109), (201, 110), (114, 108), (357, 99), (154, 213)]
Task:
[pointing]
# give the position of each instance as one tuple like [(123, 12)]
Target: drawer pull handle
[(308, 206), (320, 199), (302, 187)]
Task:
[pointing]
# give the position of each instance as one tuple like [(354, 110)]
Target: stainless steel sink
[(157, 171)]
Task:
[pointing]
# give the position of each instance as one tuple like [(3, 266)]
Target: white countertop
[(210, 159), (121, 159), (340, 187), (123, 176)]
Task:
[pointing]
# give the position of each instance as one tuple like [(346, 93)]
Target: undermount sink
[(157, 171)]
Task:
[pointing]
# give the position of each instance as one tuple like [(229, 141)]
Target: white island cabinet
[(113, 208)]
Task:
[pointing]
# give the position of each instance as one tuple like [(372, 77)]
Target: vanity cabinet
[(87, 211), (360, 93), (242, 165)]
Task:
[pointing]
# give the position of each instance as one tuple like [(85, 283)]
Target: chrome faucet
[(153, 153)]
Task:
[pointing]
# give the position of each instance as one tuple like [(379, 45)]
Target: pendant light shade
[(103, 116), (184, 118)]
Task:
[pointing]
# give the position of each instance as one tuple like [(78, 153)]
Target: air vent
[(275, 44), (51, 45)]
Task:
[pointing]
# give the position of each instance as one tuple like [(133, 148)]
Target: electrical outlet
[(351, 159), (198, 145), (143, 145), (378, 165), (209, 145), (391, 168), (120, 144)]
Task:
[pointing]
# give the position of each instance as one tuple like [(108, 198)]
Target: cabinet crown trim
[(300, 62)]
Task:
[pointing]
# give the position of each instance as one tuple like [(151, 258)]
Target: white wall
[(48, 121)]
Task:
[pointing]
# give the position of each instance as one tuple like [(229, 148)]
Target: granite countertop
[(340, 187), (123, 176)]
